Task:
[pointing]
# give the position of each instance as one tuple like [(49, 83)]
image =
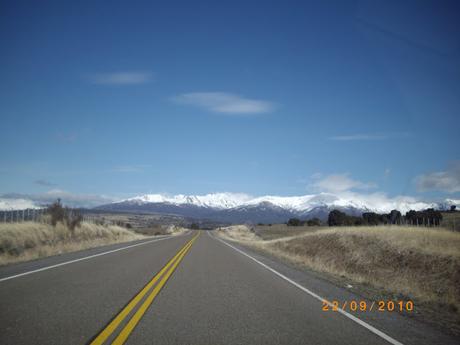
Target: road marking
[(82, 259), (124, 334), (126, 310), (168, 268), (318, 297)]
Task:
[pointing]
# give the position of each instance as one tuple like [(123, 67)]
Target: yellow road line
[(131, 305), (124, 334)]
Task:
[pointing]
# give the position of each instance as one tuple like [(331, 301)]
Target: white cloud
[(382, 203), (68, 199), (445, 181), (16, 204), (338, 183), (227, 103), (121, 78), (369, 136)]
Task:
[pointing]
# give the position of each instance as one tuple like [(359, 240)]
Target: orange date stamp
[(365, 306)]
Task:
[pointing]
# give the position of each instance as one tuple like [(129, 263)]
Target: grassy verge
[(422, 264), (275, 231), (32, 240)]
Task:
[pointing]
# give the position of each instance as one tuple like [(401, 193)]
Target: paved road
[(191, 289)]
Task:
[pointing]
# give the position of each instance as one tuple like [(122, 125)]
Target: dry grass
[(31, 240), (271, 232), (420, 263)]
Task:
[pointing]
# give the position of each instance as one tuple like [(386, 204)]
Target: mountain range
[(238, 208)]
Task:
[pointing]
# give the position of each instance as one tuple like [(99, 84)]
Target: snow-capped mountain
[(217, 200), (230, 207)]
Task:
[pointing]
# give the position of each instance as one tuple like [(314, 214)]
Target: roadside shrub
[(73, 219), (57, 212), (69, 217)]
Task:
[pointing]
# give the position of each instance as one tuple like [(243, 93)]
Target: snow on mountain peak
[(215, 200), (375, 202)]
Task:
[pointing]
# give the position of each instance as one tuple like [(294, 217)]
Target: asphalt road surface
[(189, 289)]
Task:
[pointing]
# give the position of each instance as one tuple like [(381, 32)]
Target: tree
[(432, 217), (394, 217), (194, 226), (336, 218), (411, 216), (294, 222), (383, 218), (371, 218), (314, 222), (453, 208)]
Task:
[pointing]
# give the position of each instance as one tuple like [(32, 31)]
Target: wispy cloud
[(121, 78), (354, 137), (387, 173), (67, 137), (338, 183), (227, 103), (131, 168), (445, 181), (369, 136), (44, 183)]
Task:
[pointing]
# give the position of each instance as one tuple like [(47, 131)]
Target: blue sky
[(287, 98)]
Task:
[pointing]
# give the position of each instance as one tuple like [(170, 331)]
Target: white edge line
[(84, 258), (311, 293)]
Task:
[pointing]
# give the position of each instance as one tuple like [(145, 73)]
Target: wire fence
[(27, 215), (39, 215)]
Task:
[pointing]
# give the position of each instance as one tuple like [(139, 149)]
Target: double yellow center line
[(162, 277)]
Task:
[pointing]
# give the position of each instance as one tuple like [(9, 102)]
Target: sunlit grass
[(31, 240)]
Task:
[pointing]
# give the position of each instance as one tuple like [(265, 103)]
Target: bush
[(314, 222), (57, 212), (194, 226), (71, 218), (294, 222)]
